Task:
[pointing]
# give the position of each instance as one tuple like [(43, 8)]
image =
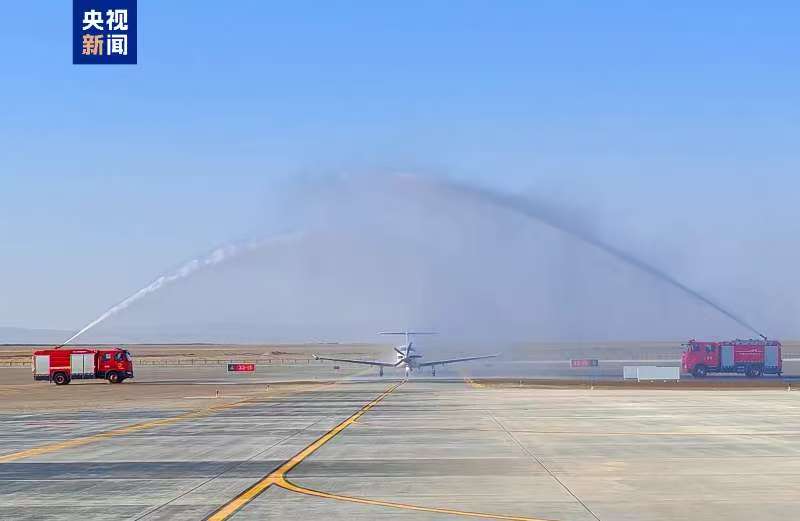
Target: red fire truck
[(751, 357), (61, 366)]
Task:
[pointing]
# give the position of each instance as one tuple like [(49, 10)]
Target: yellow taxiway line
[(129, 429), (278, 478), (288, 485), (251, 493), (472, 383)]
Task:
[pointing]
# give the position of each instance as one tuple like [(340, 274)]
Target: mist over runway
[(447, 450)]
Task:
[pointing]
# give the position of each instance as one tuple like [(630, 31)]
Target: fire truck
[(751, 357), (61, 366)]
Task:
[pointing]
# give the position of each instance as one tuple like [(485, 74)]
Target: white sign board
[(650, 372), (629, 372)]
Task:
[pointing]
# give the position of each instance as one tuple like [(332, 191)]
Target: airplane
[(407, 356)]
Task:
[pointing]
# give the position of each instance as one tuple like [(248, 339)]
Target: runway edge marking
[(279, 479)]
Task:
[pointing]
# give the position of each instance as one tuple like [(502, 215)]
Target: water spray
[(508, 202), (218, 255), (523, 206)]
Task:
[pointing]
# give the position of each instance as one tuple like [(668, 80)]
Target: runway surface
[(413, 450)]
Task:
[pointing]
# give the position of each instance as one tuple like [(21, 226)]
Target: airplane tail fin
[(409, 342), (408, 334)]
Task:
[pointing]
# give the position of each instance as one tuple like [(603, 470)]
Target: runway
[(363, 450)]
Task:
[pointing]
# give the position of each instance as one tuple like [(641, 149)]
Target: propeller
[(404, 355)]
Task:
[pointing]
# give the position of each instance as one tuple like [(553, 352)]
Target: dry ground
[(255, 352), (165, 386)]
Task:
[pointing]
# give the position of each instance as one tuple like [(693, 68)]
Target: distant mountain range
[(19, 335)]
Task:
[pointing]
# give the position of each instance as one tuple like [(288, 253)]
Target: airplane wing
[(453, 360), (365, 362)]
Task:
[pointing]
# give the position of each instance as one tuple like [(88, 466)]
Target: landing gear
[(433, 371), (381, 371)]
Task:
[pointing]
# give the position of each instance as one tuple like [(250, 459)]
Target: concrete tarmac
[(372, 450)]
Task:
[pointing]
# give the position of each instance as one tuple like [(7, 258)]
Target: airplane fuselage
[(406, 357), (408, 360)]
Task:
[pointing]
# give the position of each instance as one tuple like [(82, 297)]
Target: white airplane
[(407, 356)]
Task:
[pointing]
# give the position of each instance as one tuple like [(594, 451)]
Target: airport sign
[(241, 368)]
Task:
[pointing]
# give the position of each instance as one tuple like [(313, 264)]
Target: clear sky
[(639, 111)]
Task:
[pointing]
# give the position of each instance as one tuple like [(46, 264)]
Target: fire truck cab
[(751, 357), (61, 366)]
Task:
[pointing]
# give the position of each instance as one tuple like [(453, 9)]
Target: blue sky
[(639, 110)]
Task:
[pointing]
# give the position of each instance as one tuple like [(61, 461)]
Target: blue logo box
[(104, 32)]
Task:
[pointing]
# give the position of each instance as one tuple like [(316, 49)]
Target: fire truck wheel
[(60, 379), (699, 371), (113, 377), (753, 371)]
